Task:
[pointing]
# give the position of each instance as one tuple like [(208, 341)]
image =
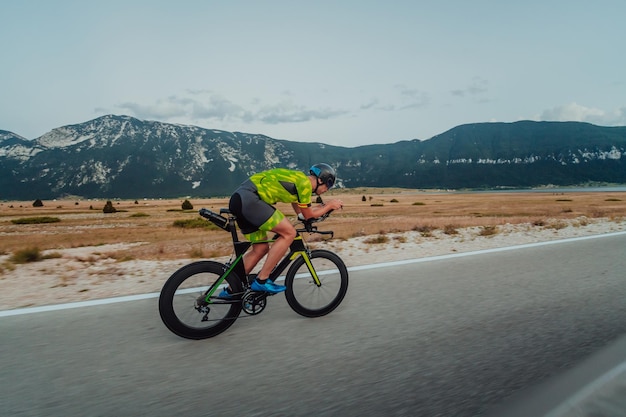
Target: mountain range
[(124, 157)]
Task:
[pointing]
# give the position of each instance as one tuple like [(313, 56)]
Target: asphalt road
[(450, 337)]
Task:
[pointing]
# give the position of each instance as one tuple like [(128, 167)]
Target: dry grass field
[(79, 223), (71, 250)]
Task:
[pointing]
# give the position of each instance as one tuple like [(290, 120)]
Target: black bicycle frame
[(297, 247)]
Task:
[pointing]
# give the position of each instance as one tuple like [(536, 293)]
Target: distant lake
[(607, 189), (555, 190)]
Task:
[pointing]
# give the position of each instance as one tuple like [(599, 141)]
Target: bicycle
[(316, 281)]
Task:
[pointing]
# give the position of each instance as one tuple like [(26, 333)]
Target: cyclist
[(253, 204)]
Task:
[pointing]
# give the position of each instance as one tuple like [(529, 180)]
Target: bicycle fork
[(309, 265)]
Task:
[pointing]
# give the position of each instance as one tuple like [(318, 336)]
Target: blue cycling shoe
[(252, 278), (267, 286), (225, 295)]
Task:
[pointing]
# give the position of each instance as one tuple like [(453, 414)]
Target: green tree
[(187, 205), (108, 207)]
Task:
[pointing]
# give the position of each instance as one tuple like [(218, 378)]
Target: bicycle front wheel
[(303, 293), (183, 306)]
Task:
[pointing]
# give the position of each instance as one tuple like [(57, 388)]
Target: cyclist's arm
[(318, 210)]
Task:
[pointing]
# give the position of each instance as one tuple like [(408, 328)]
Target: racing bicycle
[(189, 302)]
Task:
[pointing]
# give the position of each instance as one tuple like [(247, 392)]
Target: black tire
[(303, 294), (182, 306)]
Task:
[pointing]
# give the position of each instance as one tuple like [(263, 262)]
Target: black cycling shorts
[(250, 210)]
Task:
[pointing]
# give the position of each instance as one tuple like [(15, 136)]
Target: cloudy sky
[(345, 72)]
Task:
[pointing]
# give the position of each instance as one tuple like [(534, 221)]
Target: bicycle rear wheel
[(182, 304), (304, 296)]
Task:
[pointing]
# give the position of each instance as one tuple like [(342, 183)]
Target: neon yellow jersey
[(283, 185)]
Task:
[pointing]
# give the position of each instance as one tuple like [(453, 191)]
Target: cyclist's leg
[(255, 218), (258, 251), (251, 213), (286, 234)]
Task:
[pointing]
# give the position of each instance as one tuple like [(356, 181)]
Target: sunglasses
[(329, 183)]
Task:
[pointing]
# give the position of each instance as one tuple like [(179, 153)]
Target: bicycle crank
[(254, 302)]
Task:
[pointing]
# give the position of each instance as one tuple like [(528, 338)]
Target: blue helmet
[(324, 172)]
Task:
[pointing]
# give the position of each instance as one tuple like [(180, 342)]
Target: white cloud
[(403, 98), (370, 104), (287, 112), (413, 98), (208, 106), (478, 87), (577, 113), (162, 109)]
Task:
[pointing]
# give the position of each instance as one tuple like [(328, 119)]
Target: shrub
[(6, 266), (425, 230), (36, 220), (363, 198), (418, 203), (394, 200), (450, 229), (27, 255), (400, 239), (488, 231), (108, 207), (187, 205), (597, 213), (558, 225), (38, 203), (194, 224), (140, 214), (377, 239)]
